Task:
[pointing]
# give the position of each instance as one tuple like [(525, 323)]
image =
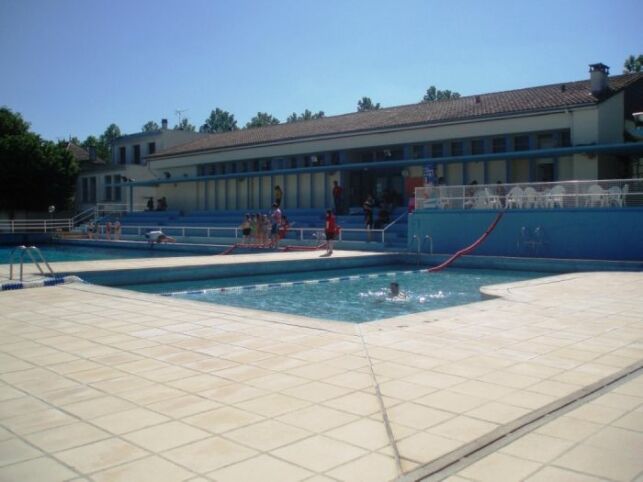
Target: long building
[(566, 131)]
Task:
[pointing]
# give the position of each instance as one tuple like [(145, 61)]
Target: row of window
[(136, 153), (484, 145), (112, 189)]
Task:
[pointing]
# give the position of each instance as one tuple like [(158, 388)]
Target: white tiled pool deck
[(106, 384)]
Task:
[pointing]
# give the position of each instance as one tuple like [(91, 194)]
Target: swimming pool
[(354, 295), (61, 252)]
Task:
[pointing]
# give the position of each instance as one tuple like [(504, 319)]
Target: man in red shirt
[(331, 231)]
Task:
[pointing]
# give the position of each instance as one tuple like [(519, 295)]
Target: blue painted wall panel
[(612, 234)]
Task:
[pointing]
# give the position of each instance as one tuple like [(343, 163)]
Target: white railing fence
[(294, 233), (549, 195)]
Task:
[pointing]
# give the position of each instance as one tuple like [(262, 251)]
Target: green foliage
[(103, 144), (184, 125), (12, 124), (633, 64), (35, 173), (304, 116), (262, 119), (150, 126), (219, 121), (433, 94), (366, 104)]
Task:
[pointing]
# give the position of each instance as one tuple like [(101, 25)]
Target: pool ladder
[(420, 245), (20, 251)]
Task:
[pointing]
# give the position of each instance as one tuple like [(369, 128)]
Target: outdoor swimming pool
[(352, 295), (53, 253)]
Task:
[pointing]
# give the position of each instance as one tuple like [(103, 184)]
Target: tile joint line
[(378, 394)]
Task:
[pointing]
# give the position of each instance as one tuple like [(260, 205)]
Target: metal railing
[(47, 225), (118, 209), (547, 195), (300, 234), (20, 251)]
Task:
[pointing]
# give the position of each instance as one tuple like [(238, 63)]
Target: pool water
[(345, 295), (54, 253)]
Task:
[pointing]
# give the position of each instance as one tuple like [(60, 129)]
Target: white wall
[(476, 128)]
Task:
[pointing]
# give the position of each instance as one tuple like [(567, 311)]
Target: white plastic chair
[(493, 201), (596, 196), (616, 196), (480, 200), (530, 199), (514, 198), (555, 197)]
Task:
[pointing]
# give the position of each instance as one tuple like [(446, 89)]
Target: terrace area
[(541, 382)]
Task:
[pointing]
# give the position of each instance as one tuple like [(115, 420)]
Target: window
[(416, 152), (334, 159), (151, 147), (92, 189), (545, 141), (477, 146), (521, 143), (122, 155), (85, 190), (499, 144), (437, 150), (137, 154), (117, 193), (457, 148), (108, 188), (565, 139)]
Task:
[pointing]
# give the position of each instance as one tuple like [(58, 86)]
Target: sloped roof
[(532, 99), (81, 155)]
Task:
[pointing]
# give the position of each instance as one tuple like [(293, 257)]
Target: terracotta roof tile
[(530, 99)]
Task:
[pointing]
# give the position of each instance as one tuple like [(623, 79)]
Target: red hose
[(469, 248)]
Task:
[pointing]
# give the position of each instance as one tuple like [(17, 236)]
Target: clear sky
[(72, 67)]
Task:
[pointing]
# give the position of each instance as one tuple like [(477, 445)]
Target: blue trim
[(56, 280)]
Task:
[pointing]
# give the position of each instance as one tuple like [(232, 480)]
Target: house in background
[(106, 182)]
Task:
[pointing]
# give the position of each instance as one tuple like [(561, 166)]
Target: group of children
[(112, 230), (265, 229)]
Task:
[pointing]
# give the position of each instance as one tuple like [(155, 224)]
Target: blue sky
[(72, 67)]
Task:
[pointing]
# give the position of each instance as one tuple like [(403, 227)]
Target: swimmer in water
[(394, 291)]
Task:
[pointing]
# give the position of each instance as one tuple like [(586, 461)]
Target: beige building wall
[(508, 126)]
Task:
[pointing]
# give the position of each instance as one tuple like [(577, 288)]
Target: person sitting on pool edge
[(158, 237)]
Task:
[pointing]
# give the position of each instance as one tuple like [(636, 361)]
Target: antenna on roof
[(178, 112)]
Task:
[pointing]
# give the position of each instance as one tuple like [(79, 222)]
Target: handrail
[(29, 251), (143, 228), (392, 223)]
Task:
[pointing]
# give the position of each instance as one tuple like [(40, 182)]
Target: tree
[(219, 121), (365, 104), (306, 115), (184, 125), (262, 119), (433, 94), (150, 126), (35, 173), (12, 124), (633, 64)]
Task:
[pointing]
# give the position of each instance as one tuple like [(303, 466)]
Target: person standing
[(279, 194), (337, 197), (331, 231), (117, 229), (275, 218)]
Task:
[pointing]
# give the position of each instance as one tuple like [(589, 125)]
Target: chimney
[(598, 78), (477, 99), (92, 153), (164, 124)]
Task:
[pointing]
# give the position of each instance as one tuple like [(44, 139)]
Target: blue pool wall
[(601, 234)]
